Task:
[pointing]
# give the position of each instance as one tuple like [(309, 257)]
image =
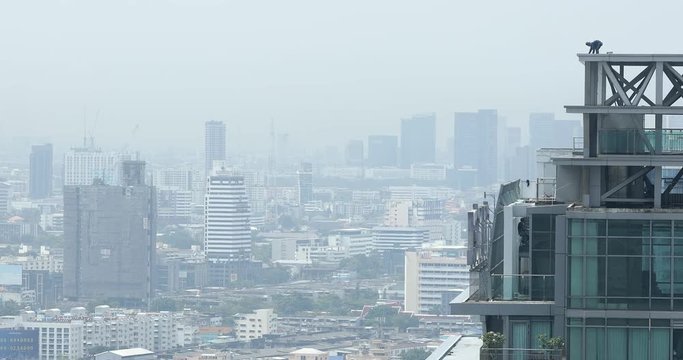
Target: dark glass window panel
[(633, 228)]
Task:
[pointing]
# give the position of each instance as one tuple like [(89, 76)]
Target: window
[(625, 264)]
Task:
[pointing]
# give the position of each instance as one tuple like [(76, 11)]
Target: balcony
[(521, 354), (639, 141), (524, 287)]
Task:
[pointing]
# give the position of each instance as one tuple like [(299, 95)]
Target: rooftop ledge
[(640, 110), (633, 59)]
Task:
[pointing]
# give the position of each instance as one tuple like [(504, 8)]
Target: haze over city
[(307, 180), (322, 72)]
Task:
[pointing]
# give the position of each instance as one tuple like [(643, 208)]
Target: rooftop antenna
[(272, 155), (85, 127), (92, 130)]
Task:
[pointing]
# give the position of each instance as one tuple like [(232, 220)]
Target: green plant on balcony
[(551, 343), (493, 340)]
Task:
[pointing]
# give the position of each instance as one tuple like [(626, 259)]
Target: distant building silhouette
[(355, 153), (382, 150), (40, 178), (476, 144), (214, 143), (418, 140), (305, 183)]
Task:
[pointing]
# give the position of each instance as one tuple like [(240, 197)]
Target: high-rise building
[(418, 140), (110, 238), (305, 183), (476, 144), (227, 234), (83, 165), (382, 150), (596, 261), (214, 144), (5, 191), (227, 229), (174, 206), (355, 153), (40, 178)]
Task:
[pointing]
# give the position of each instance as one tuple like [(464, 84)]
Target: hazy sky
[(324, 71)]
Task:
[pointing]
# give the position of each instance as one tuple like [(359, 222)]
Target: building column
[(658, 187)]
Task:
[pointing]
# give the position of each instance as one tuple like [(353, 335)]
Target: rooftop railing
[(639, 141), (523, 287)]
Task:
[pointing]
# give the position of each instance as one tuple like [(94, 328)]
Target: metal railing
[(635, 141), (523, 287), (521, 354)]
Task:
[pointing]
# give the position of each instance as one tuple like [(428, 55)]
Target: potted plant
[(492, 341)]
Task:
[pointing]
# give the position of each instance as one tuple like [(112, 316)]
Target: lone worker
[(595, 46)]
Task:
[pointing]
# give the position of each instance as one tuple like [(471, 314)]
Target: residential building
[(83, 165), (110, 230), (126, 354), (353, 241), (386, 238), (174, 206), (596, 264), (214, 144), (418, 140), (307, 354), (428, 172), (255, 325), (382, 150), (40, 164), (432, 274), (476, 144)]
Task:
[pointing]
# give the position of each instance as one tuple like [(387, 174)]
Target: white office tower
[(83, 165), (227, 233), (434, 277)]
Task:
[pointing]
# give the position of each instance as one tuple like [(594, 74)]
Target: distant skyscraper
[(418, 140), (305, 183), (110, 238), (5, 189), (382, 150), (214, 143), (83, 165), (354, 153), (476, 144), (547, 132), (227, 233), (40, 181)]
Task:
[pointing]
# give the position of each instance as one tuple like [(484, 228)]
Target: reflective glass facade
[(625, 264), (627, 339)]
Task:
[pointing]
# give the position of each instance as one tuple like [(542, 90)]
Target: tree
[(366, 267), (263, 252), (388, 316), (292, 304), (10, 307), (415, 354)]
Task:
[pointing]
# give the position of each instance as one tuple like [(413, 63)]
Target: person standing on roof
[(595, 46)]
